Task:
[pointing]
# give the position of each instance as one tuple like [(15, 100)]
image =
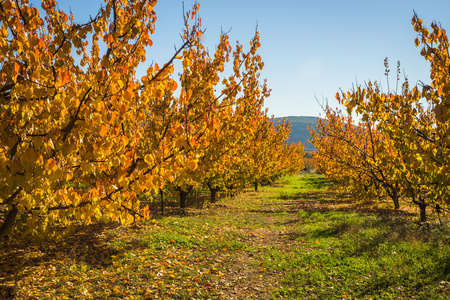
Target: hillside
[(299, 129)]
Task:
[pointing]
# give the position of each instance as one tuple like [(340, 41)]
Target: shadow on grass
[(429, 274), (324, 201), (316, 183), (337, 229), (361, 232), (89, 244), (85, 245)]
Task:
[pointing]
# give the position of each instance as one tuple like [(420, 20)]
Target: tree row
[(395, 143), (83, 135)]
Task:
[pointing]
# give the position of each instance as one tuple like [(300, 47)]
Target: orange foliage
[(83, 137), (414, 124)]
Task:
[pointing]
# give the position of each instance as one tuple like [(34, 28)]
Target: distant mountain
[(300, 131)]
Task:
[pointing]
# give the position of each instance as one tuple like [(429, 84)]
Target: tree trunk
[(161, 193), (423, 212), (183, 196), (213, 195), (256, 186), (213, 191), (395, 199), (422, 206), (10, 220), (396, 203)]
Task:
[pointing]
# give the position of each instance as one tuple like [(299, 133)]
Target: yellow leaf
[(130, 219), (51, 164), (16, 67), (192, 165), (145, 211), (5, 31), (128, 95), (30, 155), (174, 85), (148, 159), (63, 77), (103, 130), (109, 39), (66, 76), (125, 140), (189, 94)]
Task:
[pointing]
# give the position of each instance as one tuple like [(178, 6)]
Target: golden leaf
[(103, 130), (16, 67), (51, 165), (30, 155)]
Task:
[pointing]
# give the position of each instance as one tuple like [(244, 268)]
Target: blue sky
[(310, 48)]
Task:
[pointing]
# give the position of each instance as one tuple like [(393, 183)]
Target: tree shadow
[(316, 183), (88, 244), (325, 201)]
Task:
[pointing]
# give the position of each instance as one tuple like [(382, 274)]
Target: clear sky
[(311, 49)]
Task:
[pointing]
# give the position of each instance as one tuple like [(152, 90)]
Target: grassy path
[(292, 240)]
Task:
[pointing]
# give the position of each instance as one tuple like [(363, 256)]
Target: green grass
[(343, 254), (291, 240)]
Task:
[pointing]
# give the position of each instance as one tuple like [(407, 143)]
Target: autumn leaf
[(103, 130), (16, 67)]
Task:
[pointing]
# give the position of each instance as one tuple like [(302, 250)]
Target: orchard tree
[(269, 153), (356, 156), (265, 157), (417, 120), (290, 160), (240, 111), (213, 123), (82, 136)]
